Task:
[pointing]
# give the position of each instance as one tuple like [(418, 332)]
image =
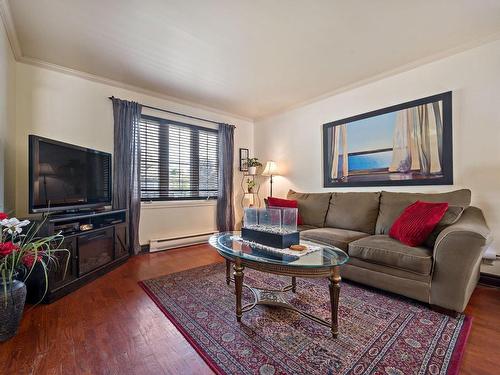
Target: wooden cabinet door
[(121, 241), (59, 275)]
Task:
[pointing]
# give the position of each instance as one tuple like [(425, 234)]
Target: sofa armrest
[(457, 257)]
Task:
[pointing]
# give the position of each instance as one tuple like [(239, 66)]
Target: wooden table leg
[(334, 299), (238, 285), (228, 272), (294, 284)]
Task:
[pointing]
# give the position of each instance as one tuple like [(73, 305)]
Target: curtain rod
[(175, 113)]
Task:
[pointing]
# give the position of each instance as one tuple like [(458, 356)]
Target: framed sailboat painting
[(405, 144)]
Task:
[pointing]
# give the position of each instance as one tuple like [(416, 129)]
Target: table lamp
[(270, 170)]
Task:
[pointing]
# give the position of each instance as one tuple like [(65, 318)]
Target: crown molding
[(8, 22), (110, 82), (491, 38)]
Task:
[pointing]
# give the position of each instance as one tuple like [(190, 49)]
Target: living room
[(361, 136)]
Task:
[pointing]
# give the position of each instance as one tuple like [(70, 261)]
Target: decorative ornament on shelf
[(252, 164), (270, 170), (20, 251)]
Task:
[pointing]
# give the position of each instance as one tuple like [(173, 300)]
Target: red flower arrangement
[(21, 251), (29, 260), (7, 248)]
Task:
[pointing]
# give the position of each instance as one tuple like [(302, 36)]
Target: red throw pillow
[(417, 222), (288, 203)]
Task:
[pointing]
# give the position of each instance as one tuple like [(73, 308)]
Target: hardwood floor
[(111, 326)]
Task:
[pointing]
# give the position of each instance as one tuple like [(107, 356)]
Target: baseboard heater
[(173, 242)]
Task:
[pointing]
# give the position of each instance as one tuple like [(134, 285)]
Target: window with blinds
[(178, 161)]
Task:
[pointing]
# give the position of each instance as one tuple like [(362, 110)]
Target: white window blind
[(178, 161)]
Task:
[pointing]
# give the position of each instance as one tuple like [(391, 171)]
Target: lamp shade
[(271, 169), (46, 169)]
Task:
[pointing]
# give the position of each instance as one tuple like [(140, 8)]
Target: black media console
[(97, 242)]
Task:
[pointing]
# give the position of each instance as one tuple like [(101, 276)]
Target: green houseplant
[(250, 185), (253, 163), (19, 254)]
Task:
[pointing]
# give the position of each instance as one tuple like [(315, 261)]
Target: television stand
[(97, 243)]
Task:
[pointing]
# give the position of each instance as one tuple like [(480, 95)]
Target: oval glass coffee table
[(324, 261)]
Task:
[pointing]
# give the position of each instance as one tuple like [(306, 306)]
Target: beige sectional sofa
[(442, 273)]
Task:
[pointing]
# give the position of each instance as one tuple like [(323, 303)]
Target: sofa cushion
[(450, 217), (381, 249), (353, 211), (393, 204), (332, 236), (398, 272), (312, 207), (301, 228)]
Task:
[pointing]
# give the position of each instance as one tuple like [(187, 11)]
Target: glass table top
[(230, 243)]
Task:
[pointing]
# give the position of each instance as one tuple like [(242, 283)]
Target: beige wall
[(7, 119), (76, 110), (293, 138)]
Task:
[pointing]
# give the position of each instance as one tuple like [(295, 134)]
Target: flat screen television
[(66, 177)]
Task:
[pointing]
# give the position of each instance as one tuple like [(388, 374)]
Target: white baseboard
[(180, 241)]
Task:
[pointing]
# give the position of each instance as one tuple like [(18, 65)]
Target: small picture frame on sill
[(244, 154)]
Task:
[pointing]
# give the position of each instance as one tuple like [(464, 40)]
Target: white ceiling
[(247, 57)]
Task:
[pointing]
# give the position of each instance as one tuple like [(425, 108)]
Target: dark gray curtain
[(225, 205), (126, 166)]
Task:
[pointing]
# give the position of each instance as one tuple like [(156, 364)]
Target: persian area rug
[(379, 333)]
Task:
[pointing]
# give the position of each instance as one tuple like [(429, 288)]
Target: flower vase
[(252, 171), (11, 308)]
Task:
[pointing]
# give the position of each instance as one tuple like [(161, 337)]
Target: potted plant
[(253, 163), (19, 254), (250, 185)]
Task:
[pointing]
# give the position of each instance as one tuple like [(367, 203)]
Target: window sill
[(178, 204)]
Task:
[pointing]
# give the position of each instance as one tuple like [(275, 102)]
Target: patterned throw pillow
[(417, 222)]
